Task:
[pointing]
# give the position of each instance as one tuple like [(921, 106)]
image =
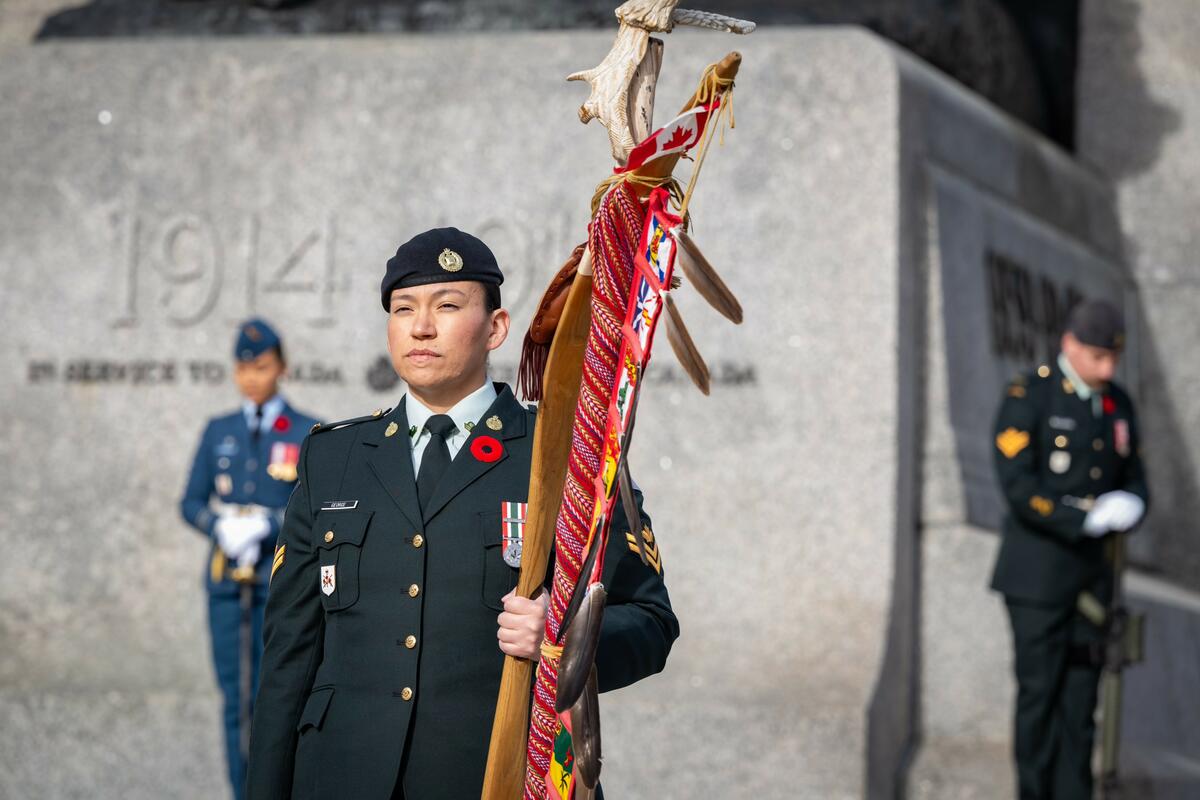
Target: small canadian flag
[(677, 136), (328, 579)]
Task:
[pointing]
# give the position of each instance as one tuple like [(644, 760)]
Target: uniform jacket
[(1054, 457), (230, 468), (397, 662)]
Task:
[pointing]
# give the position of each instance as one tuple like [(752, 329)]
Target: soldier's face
[(1095, 365), (439, 337), (258, 379)]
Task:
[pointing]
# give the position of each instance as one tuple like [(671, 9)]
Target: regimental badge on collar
[(1121, 437), (285, 457), (512, 531), (328, 579)]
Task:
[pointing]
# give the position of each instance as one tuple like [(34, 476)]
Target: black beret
[(440, 255), (1097, 323)]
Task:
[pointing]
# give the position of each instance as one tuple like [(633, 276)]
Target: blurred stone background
[(170, 167)]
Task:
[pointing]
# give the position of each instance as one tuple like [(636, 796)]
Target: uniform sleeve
[(293, 634), (1134, 474), (639, 625), (275, 519), (1016, 450), (194, 504)]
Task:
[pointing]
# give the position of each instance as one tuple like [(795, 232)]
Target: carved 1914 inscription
[(181, 267)]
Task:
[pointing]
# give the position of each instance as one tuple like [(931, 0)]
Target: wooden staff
[(504, 778)]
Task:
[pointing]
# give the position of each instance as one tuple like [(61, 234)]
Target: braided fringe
[(615, 230)]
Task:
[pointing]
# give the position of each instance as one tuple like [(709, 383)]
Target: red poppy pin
[(486, 449), (1110, 405), (282, 424)]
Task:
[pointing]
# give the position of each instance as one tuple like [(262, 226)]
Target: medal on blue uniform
[(284, 458), (512, 531)]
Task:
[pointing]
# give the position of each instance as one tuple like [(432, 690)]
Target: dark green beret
[(1098, 323), (441, 255)]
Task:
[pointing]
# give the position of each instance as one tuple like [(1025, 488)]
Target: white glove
[(1125, 509), (249, 556), (227, 531), (236, 534), (1114, 511)]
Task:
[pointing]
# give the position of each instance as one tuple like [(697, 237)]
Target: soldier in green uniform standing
[(1066, 452), (390, 606)]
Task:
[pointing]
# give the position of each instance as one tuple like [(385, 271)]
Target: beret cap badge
[(450, 260)]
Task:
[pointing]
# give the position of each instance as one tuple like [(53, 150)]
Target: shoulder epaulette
[(321, 427)]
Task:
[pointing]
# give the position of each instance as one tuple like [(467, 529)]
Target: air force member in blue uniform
[(242, 476)]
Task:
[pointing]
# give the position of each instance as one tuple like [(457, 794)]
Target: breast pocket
[(498, 577), (339, 536), (314, 710)]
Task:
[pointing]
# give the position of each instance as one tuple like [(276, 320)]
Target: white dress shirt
[(1085, 392), (466, 414), (271, 411)]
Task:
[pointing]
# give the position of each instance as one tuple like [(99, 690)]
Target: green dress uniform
[(1056, 451), (381, 667)]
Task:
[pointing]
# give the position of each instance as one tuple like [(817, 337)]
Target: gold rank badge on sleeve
[(280, 552), (653, 558), (1012, 441)]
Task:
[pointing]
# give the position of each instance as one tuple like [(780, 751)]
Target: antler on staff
[(611, 80)]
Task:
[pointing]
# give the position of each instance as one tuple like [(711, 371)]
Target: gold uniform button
[(418, 540), (410, 641), (414, 590), (329, 536), (1043, 371), (406, 693), (1096, 472), (1098, 444), (1060, 441)]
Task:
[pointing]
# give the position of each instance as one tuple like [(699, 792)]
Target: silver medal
[(512, 553), (1060, 461)]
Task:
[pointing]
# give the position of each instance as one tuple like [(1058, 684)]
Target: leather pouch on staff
[(536, 348)]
